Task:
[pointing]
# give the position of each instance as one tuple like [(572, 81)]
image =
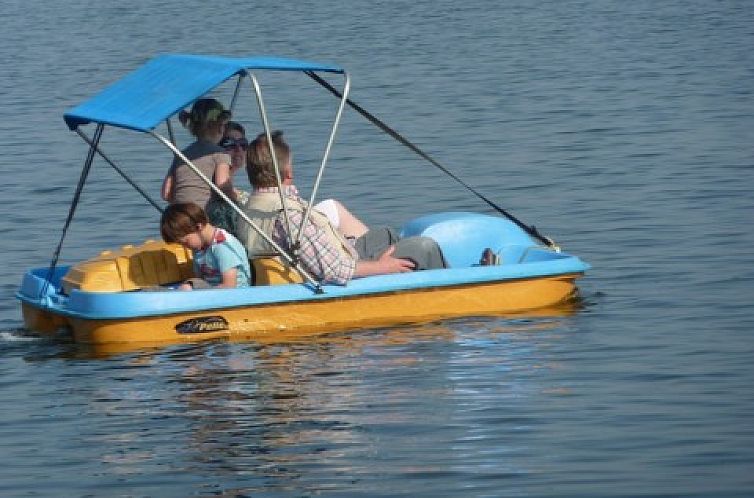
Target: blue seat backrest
[(463, 236)]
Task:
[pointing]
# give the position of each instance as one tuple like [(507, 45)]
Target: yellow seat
[(150, 264), (271, 271)]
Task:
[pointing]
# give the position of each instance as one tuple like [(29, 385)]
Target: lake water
[(624, 130)]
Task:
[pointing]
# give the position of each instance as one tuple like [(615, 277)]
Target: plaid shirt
[(317, 253)]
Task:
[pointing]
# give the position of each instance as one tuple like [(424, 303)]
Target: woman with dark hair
[(234, 143)]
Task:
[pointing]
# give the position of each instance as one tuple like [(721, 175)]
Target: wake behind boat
[(127, 296)]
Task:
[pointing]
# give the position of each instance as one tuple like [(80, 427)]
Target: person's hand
[(390, 264), (185, 287), (386, 263)]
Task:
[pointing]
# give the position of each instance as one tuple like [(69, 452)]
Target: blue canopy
[(168, 83)]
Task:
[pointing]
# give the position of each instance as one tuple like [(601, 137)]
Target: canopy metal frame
[(294, 239)]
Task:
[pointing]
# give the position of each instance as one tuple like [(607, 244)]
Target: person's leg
[(350, 225), (376, 241), (329, 208), (423, 251)]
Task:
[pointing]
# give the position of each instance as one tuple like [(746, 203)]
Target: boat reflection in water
[(523, 322), (285, 411)]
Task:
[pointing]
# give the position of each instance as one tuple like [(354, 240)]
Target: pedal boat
[(126, 296)]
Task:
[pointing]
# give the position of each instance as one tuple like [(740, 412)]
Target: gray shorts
[(423, 251)]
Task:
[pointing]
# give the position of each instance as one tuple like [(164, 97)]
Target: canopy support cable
[(237, 90), (169, 125), (531, 230), (74, 203), (120, 171)]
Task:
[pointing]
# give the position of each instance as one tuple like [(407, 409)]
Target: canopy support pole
[(326, 155), (273, 156), (531, 230), (295, 242)]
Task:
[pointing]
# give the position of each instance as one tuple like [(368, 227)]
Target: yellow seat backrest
[(150, 264), (271, 271)]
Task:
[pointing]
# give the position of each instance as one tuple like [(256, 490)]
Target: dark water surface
[(622, 129)]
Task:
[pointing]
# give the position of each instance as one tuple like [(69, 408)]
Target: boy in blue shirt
[(220, 260)]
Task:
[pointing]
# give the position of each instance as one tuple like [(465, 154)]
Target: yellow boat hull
[(293, 320)]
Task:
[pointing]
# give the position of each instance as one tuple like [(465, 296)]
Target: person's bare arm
[(167, 187), (350, 225), (223, 180), (229, 279)]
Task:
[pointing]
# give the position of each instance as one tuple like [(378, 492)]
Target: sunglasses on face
[(230, 143)]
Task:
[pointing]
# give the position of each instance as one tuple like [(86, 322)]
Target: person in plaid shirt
[(331, 254)]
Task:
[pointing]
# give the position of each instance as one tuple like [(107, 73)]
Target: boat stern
[(39, 296)]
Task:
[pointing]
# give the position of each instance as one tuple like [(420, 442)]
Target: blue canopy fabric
[(168, 83)]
